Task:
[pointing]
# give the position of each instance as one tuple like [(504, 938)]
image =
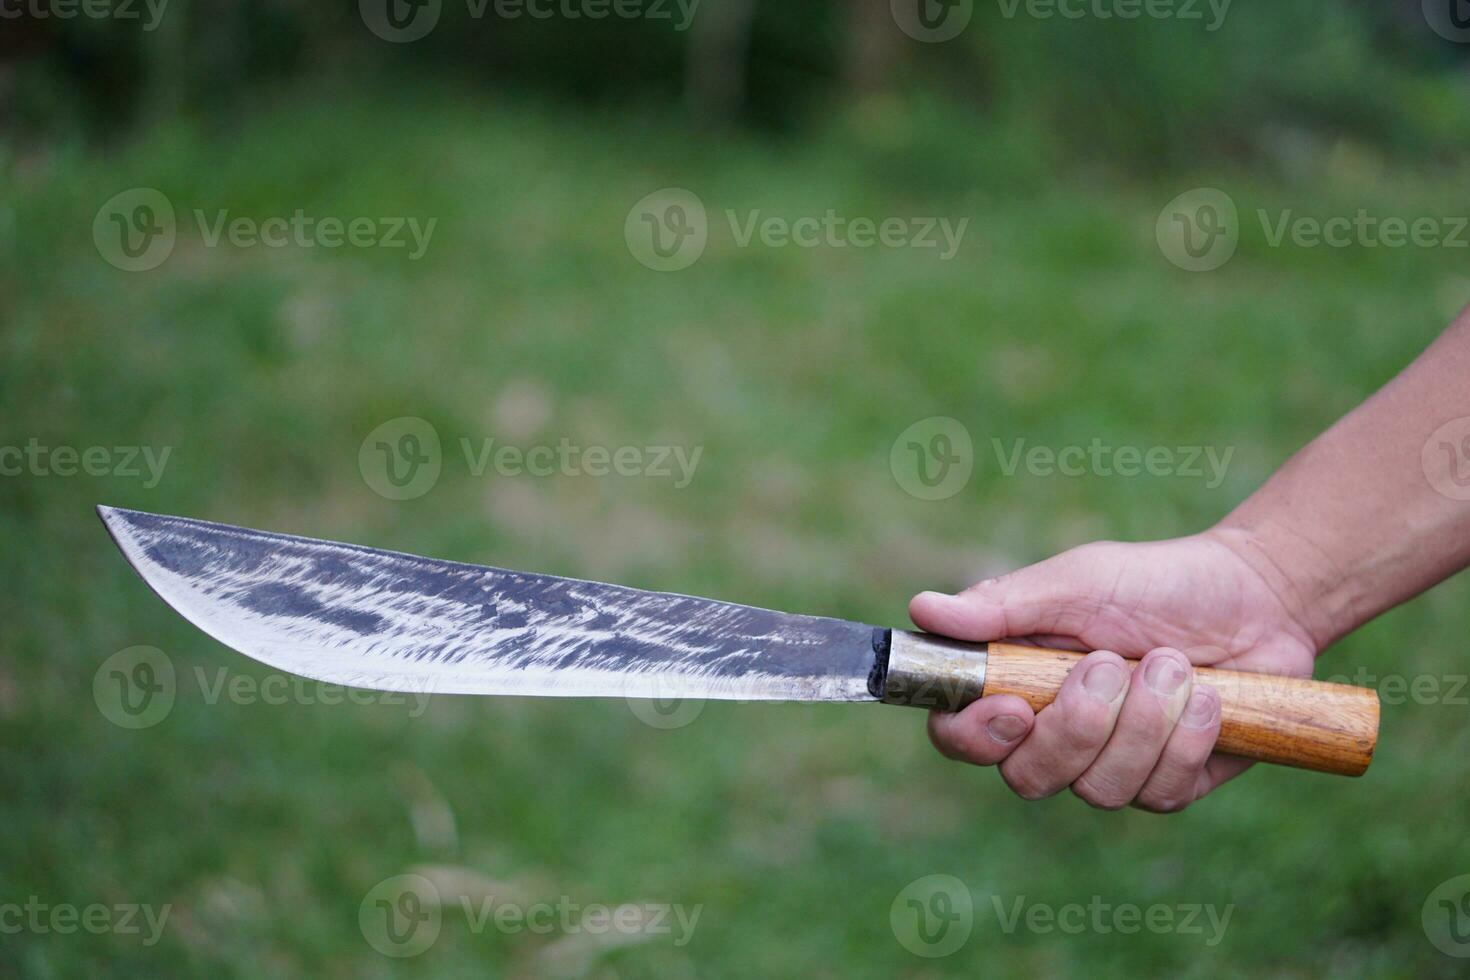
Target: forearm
[(1363, 518)]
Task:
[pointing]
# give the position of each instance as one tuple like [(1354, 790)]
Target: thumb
[(1046, 598)]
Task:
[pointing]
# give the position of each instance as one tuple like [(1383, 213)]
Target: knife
[(362, 617)]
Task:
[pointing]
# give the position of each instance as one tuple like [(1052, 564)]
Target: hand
[(1115, 741)]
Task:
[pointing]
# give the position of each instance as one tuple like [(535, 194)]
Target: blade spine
[(103, 510)]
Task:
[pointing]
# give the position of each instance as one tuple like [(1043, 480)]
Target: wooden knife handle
[(1290, 721)]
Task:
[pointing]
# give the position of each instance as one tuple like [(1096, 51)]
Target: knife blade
[(363, 617)]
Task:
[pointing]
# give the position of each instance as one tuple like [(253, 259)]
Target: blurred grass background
[(528, 321)]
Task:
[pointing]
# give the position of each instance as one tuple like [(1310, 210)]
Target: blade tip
[(121, 530), (113, 518)]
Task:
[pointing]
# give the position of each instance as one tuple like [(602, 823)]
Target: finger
[(985, 732), (1175, 781), (1069, 733), (1157, 693), (1052, 641), (1050, 597)]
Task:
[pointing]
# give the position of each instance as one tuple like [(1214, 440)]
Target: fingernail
[(1104, 681), (1165, 675), (1200, 711), (1006, 728), (935, 595)]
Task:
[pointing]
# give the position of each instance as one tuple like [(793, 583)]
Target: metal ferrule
[(926, 671)]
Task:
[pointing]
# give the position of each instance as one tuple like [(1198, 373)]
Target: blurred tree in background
[(1145, 94)]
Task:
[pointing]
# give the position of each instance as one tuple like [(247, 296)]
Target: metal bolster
[(926, 671)]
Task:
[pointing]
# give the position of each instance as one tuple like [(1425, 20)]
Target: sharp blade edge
[(362, 617)]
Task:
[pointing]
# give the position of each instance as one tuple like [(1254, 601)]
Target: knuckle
[(1025, 783), (1165, 803), (984, 585), (973, 751), (945, 744), (1083, 731), (1149, 728), (1094, 549), (1099, 793), (962, 745)]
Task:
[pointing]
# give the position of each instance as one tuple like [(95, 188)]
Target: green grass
[(264, 826)]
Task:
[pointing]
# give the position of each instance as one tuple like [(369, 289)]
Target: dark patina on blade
[(363, 617)]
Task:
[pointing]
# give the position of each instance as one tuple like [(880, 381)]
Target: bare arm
[(1362, 518)]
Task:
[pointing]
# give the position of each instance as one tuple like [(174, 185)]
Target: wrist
[(1312, 589)]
